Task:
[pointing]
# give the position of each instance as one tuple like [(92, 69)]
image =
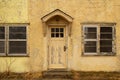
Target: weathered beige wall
[(24, 11), (81, 11), (14, 11)]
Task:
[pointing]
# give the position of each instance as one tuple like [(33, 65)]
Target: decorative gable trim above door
[(54, 13)]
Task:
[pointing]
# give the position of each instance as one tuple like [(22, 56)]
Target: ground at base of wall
[(96, 75), (20, 76), (77, 75)]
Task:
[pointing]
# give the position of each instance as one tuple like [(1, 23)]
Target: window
[(106, 38), (2, 40), (13, 40), (57, 32), (98, 39)]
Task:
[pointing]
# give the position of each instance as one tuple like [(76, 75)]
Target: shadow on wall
[(35, 63)]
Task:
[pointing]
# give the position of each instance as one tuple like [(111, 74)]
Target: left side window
[(2, 40), (13, 41)]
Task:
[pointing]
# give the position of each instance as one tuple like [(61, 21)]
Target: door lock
[(65, 48)]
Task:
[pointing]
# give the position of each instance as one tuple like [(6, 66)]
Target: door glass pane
[(52, 29), (57, 29), (2, 47), (61, 30), (17, 32), (17, 47), (2, 32), (61, 35), (90, 46), (57, 34), (52, 35)]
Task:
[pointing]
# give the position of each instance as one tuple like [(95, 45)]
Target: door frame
[(44, 20), (66, 42)]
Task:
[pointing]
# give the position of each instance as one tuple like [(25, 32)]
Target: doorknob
[(65, 48)]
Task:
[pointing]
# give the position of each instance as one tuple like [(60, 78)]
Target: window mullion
[(7, 39), (98, 40), (113, 39)]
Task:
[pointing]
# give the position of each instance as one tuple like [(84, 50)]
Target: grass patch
[(20, 76), (79, 75)]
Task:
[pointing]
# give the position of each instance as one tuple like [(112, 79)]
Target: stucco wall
[(82, 11), (14, 11)]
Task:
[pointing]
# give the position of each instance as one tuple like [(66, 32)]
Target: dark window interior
[(17, 33), (17, 47), (2, 33), (2, 47), (91, 41), (57, 32), (14, 42), (106, 38), (90, 33), (2, 39), (90, 46)]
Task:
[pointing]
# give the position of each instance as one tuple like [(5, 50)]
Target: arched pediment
[(55, 13)]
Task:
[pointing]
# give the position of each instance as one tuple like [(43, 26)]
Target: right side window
[(106, 39), (98, 40), (2, 40)]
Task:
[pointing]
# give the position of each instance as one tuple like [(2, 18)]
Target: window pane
[(2, 47), (52, 35), (90, 36), (90, 29), (90, 46), (90, 33), (17, 32), (90, 49), (90, 43), (105, 45), (52, 29), (105, 49), (106, 36), (61, 35), (2, 32), (105, 42), (57, 34), (61, 30), (17, 47), (106, 29), (106, 33), (57, 29)]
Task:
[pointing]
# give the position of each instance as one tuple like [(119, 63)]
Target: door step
[(57, 75), (57, 79)]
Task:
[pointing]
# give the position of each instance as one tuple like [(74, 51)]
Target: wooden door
[(57, 47)]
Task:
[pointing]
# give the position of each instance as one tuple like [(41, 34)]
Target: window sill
[(112, 54), (14, 56)]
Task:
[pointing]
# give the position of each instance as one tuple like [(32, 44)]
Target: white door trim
[(66, 42)]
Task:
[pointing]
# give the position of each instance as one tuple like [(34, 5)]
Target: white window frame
[(7, 40), (98, 39), (3, 54)]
